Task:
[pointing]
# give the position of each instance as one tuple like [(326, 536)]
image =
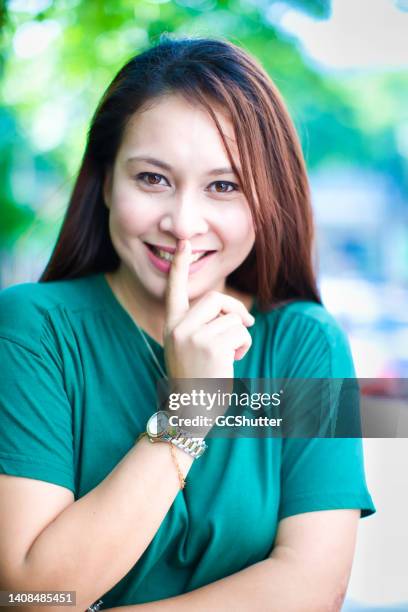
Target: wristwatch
[(158, 429)]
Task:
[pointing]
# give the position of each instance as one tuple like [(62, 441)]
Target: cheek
[(237, 228), (129, 215)]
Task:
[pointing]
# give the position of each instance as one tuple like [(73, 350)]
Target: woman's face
[(179, 192)]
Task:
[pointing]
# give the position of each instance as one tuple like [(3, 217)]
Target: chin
[(194, 289)]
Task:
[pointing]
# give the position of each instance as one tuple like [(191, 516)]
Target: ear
[(107, 187)]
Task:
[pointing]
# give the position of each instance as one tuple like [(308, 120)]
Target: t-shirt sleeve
[(319, 473), (35, 415)]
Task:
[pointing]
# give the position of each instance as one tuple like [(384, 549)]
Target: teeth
[(169, 257), (196, 257), (163, 255)]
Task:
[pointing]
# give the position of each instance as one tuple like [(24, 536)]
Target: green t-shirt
[(77, 385)]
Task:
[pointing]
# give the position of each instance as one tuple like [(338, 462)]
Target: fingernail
[(182, 246)]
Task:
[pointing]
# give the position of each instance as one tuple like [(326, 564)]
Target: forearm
[(275, 584), (94, 542)]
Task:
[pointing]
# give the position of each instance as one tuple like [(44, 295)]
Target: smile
[(162, 259), (170, 256)]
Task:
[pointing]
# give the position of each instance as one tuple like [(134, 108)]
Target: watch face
[(158, 424)]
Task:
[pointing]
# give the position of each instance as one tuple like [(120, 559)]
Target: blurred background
[(342, 67)]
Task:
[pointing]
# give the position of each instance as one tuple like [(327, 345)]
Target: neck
[(147, 311)]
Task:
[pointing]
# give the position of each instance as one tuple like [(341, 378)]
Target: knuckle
[(249, 338), (245, 336), (176, 334), (213, 294), (199, 341), (236, 302), (196, 340), (235, 318)]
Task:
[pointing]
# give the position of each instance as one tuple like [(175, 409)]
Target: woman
[(191, 145)]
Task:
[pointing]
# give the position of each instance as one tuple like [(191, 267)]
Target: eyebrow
[(165, 166)]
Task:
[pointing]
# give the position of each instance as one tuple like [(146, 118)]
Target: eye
[(145, 177), (148, 175), (229, 184)]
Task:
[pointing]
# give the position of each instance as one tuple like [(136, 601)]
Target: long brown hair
[(218, 75)]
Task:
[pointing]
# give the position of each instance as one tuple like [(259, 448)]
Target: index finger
[(177, 303)]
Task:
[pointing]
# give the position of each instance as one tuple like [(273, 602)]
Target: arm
[(308, 571), (50, 542)]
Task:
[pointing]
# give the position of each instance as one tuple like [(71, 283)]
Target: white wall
[(380, 569)]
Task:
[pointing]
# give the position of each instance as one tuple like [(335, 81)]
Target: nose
[(184, 219)]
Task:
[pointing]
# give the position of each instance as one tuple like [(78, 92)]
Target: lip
[(164, 266), (173, 249)]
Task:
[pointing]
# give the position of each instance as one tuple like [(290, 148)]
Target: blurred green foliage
[(58, 57), (318, 8)]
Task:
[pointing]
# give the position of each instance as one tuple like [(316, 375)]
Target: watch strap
[(193, 446)]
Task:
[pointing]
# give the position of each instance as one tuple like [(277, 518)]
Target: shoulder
[(309, 341), (25, 308), (303, 316)]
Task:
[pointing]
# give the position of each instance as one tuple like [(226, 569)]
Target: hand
[(201, 341)]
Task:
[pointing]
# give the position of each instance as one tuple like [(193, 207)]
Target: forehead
[(173, 123)]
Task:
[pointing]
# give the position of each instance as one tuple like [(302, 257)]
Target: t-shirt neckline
[(123, 313)]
